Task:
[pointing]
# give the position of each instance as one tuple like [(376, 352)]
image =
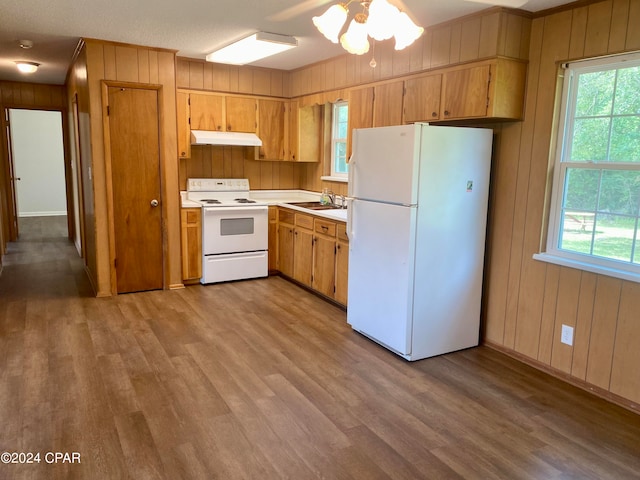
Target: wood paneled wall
[(527, 301), (492, 32), (128, 63), (21, 95), (232, 162)]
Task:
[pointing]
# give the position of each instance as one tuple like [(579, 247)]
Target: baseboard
[(576, 382)]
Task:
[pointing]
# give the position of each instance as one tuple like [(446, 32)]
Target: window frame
[(564, 137), (335, 140)]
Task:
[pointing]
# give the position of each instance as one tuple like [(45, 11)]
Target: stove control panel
[(218, 185)]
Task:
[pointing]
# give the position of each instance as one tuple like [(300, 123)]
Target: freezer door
[(381, 268), (384, 165)]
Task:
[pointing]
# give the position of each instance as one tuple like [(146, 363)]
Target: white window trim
[(335, 176), (553, 254)]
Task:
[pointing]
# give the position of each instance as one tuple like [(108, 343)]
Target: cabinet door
[(309, 133), (422, 99), (184, 130), (271, 129), (241, 114), (342, 271), (360, 112), (285, 249), (291, 133), (387, 105), (465, 92), (303, 255), (206, 111), (324, 264), (191, 230)]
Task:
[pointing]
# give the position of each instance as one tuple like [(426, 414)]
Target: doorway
[(133, 139), (36, 165)]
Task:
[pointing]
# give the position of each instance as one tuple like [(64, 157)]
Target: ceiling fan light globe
[(331, 22), (383, 20), (27, 67), (407, 32), (355, 40)]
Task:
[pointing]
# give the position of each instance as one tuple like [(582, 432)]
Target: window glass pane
[(625, 139), (614, 236), (342, 130), (590, 139), (595, 93), (340, 157), (342, 114), (577, 232), (628, 91), (581, 190), (636, 255), (619, 192)]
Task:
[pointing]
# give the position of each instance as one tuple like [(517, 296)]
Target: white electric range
[(235, 229)]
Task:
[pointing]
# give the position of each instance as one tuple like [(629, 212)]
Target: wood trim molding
[(588, 387)]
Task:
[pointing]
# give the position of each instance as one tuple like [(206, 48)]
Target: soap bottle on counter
[(325, 198)]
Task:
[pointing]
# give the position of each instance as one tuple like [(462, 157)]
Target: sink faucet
[(343, 201)]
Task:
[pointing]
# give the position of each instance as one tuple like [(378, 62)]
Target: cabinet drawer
[(341, 232), (325, 227), (304, 221), (286, 216)]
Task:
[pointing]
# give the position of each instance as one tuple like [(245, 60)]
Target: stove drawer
[(234, 266)]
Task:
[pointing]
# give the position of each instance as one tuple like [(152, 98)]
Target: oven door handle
[(214, 210)]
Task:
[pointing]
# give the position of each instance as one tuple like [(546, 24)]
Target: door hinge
[(115, 263), (108, 110)]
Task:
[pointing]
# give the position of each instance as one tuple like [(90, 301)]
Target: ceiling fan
[(307, 5)]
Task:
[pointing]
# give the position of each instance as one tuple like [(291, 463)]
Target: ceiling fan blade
[(295, 10)]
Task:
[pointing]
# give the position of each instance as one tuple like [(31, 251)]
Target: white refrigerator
[(417, 214)]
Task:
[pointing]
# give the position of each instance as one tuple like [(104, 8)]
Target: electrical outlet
[(567, 335)]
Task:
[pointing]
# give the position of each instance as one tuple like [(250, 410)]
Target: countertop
[(284, 198)]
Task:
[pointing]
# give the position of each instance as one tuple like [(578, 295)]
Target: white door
[(381, 268), (384, 164)]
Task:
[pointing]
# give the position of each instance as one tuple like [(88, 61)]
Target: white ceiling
[(192, 27)]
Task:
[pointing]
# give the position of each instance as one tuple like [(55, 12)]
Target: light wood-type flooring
[(262, 380)]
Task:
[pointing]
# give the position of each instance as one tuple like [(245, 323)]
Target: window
[(339, 166), (594, 219)]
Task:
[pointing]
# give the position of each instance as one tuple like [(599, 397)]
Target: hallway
[(43, 262)]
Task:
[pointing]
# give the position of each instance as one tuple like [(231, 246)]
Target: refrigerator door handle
[(350, 219)]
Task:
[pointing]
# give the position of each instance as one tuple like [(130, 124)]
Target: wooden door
[(303, 255), (360, 112), (184, 129), (241, 114), (465, 92), (324, 263), (422, 99), (12, 205), (206, 112), (285, 250), (271, 125), (135, 172), (387, 106)]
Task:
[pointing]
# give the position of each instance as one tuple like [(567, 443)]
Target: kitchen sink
[(316, 205)]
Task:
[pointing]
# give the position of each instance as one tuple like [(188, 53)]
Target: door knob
[(154, 203)]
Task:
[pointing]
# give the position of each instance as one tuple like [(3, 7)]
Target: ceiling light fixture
[(27, 67), (255, 47), (379, 20)]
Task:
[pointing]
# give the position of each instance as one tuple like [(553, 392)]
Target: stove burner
[(210, 201), (244, 200)]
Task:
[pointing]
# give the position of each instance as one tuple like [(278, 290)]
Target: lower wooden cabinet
[(314, 251), (191, 232)]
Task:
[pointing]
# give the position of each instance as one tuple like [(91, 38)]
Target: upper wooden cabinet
[(422, 98), (303, 133), (184, 129), (271, 128), (360, 112), (223, 113), (387, 104), (492, 89)]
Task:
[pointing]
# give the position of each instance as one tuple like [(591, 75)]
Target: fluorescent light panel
[(255, 47)]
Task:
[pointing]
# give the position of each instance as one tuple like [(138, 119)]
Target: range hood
[(207, 137)]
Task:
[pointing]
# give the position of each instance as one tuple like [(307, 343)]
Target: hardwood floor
[(261, 380)]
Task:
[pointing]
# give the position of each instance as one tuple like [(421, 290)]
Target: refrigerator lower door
[(381, 270)]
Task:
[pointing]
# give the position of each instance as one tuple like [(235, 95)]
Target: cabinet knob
[(446, 113), (228, 128), (154, 203), (434, 114)]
